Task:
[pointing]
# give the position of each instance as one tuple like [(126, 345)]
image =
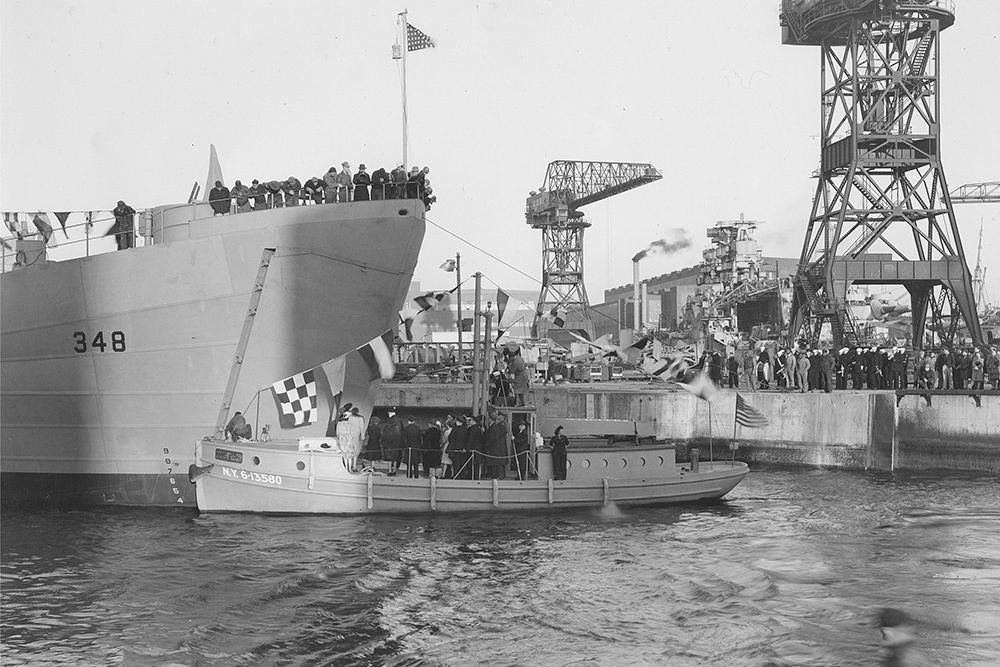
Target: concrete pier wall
[(864, 430)]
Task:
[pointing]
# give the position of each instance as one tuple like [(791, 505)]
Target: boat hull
[(110, 361), (248, 478)]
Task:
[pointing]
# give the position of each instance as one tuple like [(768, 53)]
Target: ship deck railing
[(65, 243)]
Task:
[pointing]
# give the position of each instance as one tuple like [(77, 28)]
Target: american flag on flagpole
[(747, 415), (416, 40)]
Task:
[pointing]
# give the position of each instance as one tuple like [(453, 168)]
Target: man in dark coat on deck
[(413, 447), (361, 182), (380, 183), (219, 199), (495, 448), (124, 226)]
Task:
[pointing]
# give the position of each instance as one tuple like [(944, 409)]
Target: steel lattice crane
[(553, 209)]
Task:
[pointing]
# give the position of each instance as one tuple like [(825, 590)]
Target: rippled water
[(787, 571)]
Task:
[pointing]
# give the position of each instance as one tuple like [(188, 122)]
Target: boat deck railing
[(81, 239)]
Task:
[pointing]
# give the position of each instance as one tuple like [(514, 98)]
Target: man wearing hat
[(559, 443), (219, 199), (361, 182), (345, 183)]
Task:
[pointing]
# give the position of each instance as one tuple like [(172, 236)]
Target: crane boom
[(569, 185)]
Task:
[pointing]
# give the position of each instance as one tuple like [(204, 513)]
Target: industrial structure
[(553, 209), (882, 212)]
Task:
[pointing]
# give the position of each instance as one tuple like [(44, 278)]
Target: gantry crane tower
[(882, 213), (568, 186)]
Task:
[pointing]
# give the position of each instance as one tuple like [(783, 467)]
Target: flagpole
[(487, 361), (458, 296), (477, 370), (711, 456), (406, 46), (736, 425)]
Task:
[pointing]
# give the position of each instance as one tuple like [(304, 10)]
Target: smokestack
[(636, 310)]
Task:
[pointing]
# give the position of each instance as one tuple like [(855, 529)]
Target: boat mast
[(399, 53), (977, 277)]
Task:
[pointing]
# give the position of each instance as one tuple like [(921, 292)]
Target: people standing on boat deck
[(373, 441), (277, 198), (238, 428), (495, 448), (349, 434), (519, 378), (458, 442), (314, 189), (392, 441), (361, 182), (380, 184), (413, 447), (475, 446), (978, 372), (292, 188), (330, 185), (219, 199), (522, 446), (241, 194), (559, 444), (446, 460), (432, 449), (398, 183), (344, 183), (413, 183), (259, 191), (124, 226)]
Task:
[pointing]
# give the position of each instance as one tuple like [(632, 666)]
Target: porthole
[(403, 211), (604, 463), (624, 463), (300, 466), (256, 460), (642, 460), (661, 459), (585, 463)]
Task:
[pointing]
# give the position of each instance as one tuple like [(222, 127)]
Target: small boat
[(608, 461)]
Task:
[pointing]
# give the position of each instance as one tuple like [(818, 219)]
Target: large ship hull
[(114, 365)]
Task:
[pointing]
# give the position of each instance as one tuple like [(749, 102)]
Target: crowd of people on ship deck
[(806, 369), (456, 447), (333, 187)]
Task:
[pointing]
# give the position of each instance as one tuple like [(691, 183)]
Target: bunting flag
[(747, 415), (11, 222), (558, 317), (502, 299), (429, 300), (407, 323), (377, 353), (61, 216), (701, 386), (296, 398), (416, 40), (449, 265), (41, 221)]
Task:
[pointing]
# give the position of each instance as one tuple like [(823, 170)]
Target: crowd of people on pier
[(803, 369), (333, 187), (455, 447)]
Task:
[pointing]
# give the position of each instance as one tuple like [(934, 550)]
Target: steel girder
[(882, 212)]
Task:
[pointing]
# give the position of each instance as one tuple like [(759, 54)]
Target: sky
[(105, 100)]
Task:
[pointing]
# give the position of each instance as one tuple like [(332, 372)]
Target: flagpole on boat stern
[(458, 296), (477, 369), (400, 54)]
